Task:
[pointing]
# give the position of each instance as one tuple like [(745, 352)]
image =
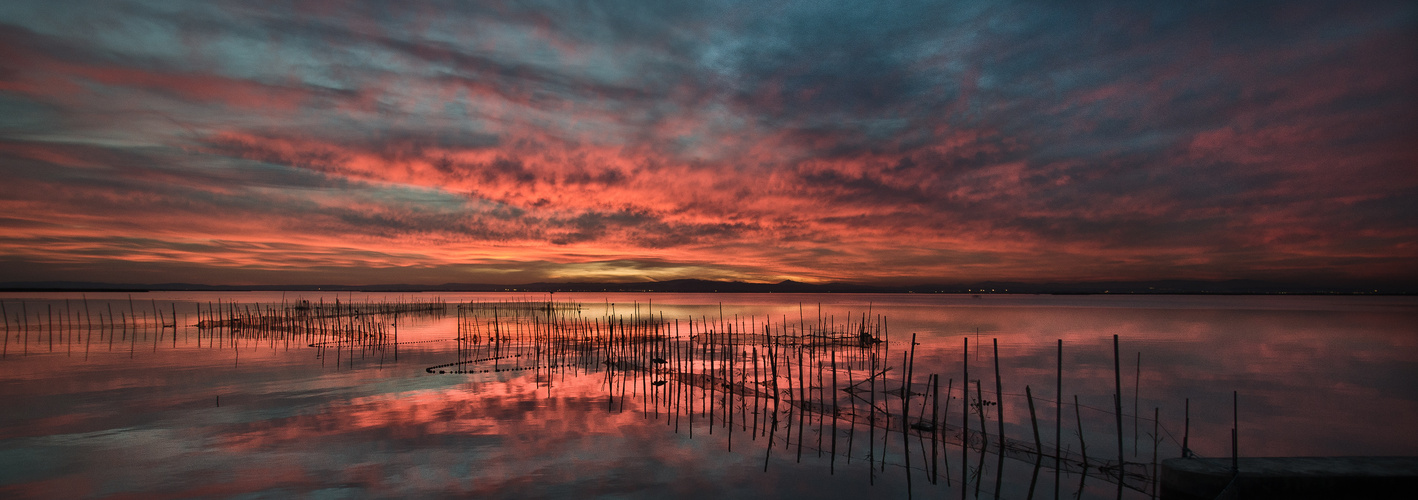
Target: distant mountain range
[(1237, 287)]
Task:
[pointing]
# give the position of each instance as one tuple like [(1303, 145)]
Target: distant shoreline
[(1232, 287)]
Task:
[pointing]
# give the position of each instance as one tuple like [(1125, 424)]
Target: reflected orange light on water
[(134, 407)]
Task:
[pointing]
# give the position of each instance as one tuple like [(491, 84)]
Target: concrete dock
[(1290, 477)]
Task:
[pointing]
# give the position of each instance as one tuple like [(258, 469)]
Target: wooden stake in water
[(949, 389), (905, 414), (1118, 408), (1058, 419), (965, 424), (833, 391), (1082, 447), (1156, 440), (871, 424), (802, 402), (1033, 421), (1187, 428), (773, 364), (999, 400)]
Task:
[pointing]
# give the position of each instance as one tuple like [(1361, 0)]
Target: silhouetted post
[(935, 428), (885, 406), (871, 422), (949, 389), (1156, 439), (1058, 419), (1038, 446), (758, 384), (1186, 427), (999, 417), (1118, 407), (1082, 447), (729, 395), (802, 402), (833, 467), (980, 397), (965, 423), (773, 365), (999, 397), (905, 416)]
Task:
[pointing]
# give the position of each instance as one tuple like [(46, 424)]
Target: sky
[(349, 142)]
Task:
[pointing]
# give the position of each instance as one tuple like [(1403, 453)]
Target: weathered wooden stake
[(1118, 408), (1038, 446), (999, 417), (935, 428), (1156, 440), (833, 391), (965, 423), (1058, 419), (1082, 447), (1187, 428), (905, 416)]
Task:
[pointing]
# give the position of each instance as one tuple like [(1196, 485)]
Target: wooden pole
[(999, 397), (1118, 409), (758, 385), (935, 428), (1156, 439), (802, 402), (999, 417), (980, 397), (1058, 419), (1187, 428), (965, 423), (833, 392), (871, 424), (1038, 446), (905, 415), (1082, 447)]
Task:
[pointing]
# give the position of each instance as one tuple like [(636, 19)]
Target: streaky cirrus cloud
[(361, 142)]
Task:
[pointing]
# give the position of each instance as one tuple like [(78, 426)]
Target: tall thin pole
[(965, 423), (1038, 446), (833, 392), (999, 417), (1187, 428), (1118, 409), (1156, 439), (1058, 419)]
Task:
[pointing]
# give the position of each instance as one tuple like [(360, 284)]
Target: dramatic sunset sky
[(875, 142)]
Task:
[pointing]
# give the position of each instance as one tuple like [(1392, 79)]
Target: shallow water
[(143, 412)]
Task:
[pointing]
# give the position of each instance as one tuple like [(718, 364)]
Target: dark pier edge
[(1290, 477)]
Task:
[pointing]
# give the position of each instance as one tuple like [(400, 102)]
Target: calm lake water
[(617, 398)]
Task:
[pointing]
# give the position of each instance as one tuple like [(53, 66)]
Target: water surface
[(146, 411)]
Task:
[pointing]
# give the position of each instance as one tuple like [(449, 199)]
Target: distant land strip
[(1185, 287)]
